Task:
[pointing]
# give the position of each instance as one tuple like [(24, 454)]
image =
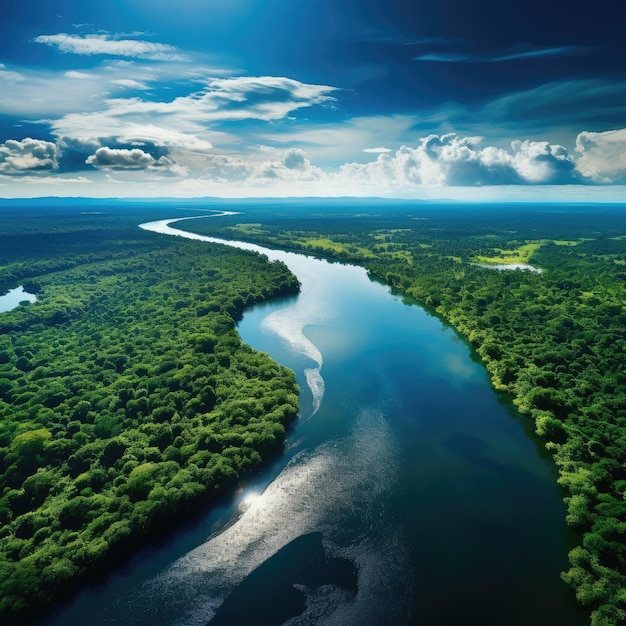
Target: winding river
[(409, 493)]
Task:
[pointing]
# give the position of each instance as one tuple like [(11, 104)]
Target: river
[(408, 493)]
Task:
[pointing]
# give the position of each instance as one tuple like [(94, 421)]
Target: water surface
[(13, 297)]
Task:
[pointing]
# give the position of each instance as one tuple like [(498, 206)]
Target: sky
[(459, 99)]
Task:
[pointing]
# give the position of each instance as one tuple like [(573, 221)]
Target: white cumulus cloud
[(262, 168), (27, 156), (450, 160), (135, 159), (603, 155)]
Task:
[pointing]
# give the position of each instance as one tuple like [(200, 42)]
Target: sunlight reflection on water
[(331, 489)]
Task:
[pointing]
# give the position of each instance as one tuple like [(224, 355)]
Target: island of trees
[(127, 399), (552, 341)]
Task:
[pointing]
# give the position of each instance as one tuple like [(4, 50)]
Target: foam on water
[(316, 384), (288, 323)]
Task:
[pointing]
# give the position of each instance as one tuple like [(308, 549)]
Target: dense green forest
[(127, 399), (555, 341)]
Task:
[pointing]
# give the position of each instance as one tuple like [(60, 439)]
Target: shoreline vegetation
[(554, 341), (127, 399)]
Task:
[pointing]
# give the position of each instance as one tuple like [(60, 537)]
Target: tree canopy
[(126, 396)]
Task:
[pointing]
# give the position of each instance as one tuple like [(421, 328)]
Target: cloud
[(129, 83), (542, 163), (50, 94), (60, 181), (110, 46), (294, 166), (537, 53), (136, 159), (264, 98), (78, 75), (189, 122), (572, 103), (264, 167), (108, 154), (108, 158), (296, 160), (513, 54), (27, 156), (435, 161), (450, 160), (9, 76), (160, 136), (257, 97), (377, 150), (336, 142), (603, 155)]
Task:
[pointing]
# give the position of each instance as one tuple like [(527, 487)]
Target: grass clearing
[(520, 254), (324, 244), (248, 229)]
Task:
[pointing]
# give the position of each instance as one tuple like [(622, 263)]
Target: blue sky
[(463, 99)]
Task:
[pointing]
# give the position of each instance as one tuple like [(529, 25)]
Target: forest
[(552, 340), (127, 400)]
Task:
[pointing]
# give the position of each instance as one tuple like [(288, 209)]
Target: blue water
[(404, 470), (13, 297)]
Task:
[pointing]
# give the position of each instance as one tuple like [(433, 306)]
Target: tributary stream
[(408, 493)]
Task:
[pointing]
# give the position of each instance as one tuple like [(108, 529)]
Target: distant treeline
[(127, 399), (555, 341)]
